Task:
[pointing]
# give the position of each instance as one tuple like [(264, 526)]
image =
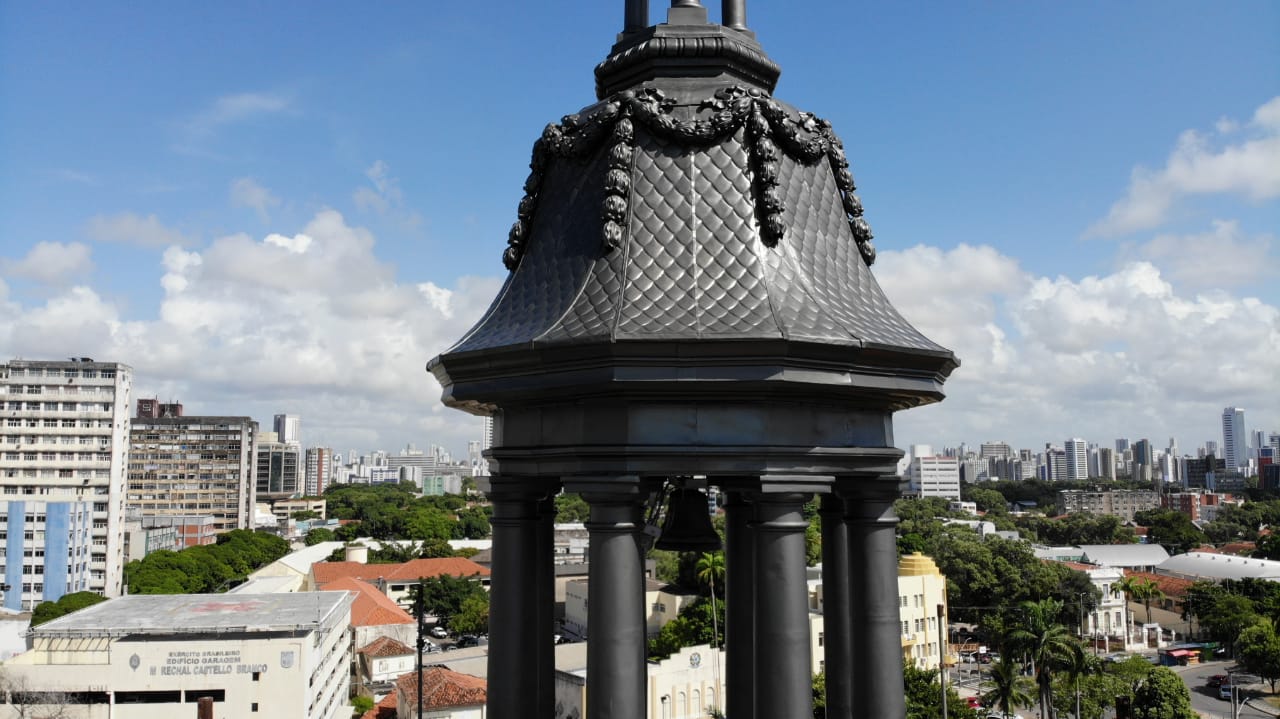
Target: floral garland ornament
[(770, 129)]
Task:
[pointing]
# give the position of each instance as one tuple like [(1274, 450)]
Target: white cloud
[(1202, 164), (133, 229), (50, 262), (239, 107), (384, 197), (1236, 259), (246, 192), (310, 322), (1045, 358)]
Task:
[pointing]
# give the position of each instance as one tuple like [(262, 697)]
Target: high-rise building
[(1144, 460), (1234, 440), (193, 467), (279, 470), (1106, 463), (288, 428), (319, 471), (989, 450), (1077, 455), (63, 449), (1121, 446), (933, 476)]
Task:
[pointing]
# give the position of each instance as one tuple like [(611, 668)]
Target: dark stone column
[(739, 557), (616, 670), (517, 611), (546, 595), (837, 616), (877, 629), (784, 686)]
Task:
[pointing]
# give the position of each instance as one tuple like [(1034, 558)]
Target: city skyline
[(295, 221)]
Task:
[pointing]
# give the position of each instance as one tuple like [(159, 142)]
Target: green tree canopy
[(1259, 651), (924, 696), (68, 603), (693, 625), (443, 596), (1163, 695), (1170, 529), (318, 535)]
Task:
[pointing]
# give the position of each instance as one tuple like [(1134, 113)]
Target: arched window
[(682, 708), (697, 702)]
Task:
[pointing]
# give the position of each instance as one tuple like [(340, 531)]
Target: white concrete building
[(934, 476), (1077, 456), (154, 656), (1234, 438), (63, 448)]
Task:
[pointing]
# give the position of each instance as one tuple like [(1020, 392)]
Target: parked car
[(973, 702), (1224, 690), (439, 632), (1217, 679), (467, 640)]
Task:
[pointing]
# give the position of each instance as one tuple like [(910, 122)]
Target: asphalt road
[(1204, 699)]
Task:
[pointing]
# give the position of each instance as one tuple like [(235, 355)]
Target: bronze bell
[(688, 524)]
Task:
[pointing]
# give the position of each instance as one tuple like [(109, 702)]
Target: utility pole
[(942, 657), (419, 610)]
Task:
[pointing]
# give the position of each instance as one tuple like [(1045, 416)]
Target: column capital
[(517, 488), (869, 487)]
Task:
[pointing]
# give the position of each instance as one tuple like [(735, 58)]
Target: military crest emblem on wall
[(286, 659), (134, 662)]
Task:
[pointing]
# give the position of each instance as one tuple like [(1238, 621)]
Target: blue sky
[(269, 207)]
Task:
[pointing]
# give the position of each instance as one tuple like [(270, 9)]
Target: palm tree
[(1008, 687), (1142, 589), (1048, 644), (1130, 586), (710, 569)]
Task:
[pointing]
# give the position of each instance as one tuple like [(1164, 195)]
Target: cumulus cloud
[(246, 192), (1203, 164), (1237, 259), (1124, 354), (311, 322), (50, 262), (133, 229)]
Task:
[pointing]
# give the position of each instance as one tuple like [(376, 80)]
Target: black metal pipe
[(733, 13)]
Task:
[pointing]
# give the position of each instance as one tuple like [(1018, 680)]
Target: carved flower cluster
[(770, 130)]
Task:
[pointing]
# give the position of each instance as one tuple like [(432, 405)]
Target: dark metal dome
[(692, 207)]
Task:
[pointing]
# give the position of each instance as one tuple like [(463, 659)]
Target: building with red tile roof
[(382, 660), (374, 614), (442, 689), (322, 573), (385, 709)]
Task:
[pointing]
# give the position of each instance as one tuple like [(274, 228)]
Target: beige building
[(686, 685), (662, 601), (921, 589), (194, 466), (1122, 503), (154, 656)]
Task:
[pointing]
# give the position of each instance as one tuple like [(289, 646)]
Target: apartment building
[(194, 466), (63, 445), (280, 469), (1122, 503)]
